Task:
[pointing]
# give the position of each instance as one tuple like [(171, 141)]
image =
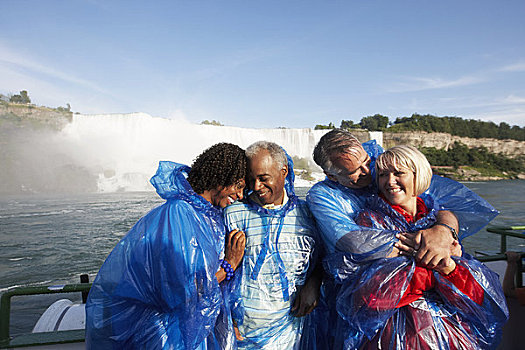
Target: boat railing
[(30, 339), (71, 336), (505, 232)]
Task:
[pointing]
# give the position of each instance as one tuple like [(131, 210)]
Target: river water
[(52, 239)]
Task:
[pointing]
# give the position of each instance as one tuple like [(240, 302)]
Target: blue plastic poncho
[(157, 289), (280, 252), (464, 310)]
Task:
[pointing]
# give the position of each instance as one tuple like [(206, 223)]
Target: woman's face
[(397, 185), (222, 197)]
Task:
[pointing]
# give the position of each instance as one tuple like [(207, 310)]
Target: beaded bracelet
[(227, 268)]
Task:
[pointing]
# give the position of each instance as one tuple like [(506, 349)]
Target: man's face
[(266, 178), (351, 169)]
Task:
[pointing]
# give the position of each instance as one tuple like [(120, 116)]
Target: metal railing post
[(519, 275), (5, 303), (5, 310)]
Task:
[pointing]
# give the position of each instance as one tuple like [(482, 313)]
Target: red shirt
[(423, 279)]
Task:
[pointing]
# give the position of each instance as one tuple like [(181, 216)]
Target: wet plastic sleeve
[(472, 211), (334, 212)]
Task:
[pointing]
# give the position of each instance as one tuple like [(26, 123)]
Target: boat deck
[(514, 331)]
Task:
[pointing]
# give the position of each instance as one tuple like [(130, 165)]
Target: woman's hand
[(394, 253), (234, 251), (407, 245)]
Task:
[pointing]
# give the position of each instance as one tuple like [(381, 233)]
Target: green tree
[(348, 124), (504, 130), (376, 122), (23, 97), (459, 155), (324, 127), (213, 122)]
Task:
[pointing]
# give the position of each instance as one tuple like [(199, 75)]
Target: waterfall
[(123, 150), (120, 152), (376, 135)]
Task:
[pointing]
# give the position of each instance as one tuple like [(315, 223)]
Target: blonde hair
[(407, 157)]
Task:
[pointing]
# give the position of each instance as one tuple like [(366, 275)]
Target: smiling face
[(398, 187), (267, 178), (351, 169), (222, 197)]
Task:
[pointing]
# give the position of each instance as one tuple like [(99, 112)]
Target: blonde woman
[(394, 303)]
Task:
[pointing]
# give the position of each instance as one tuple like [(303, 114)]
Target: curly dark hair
[(221, 165)]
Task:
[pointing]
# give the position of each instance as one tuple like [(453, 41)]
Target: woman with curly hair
[(159, 288)]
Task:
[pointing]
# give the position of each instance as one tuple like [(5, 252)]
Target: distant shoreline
[(466, 173)]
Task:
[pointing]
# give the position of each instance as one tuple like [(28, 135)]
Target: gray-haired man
[(281, 249)]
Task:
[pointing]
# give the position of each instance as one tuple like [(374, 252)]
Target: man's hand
[(446, 266), (237, 332), (234, 250), (307, 297), (456, 249), (434, 246)]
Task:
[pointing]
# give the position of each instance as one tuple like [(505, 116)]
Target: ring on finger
[(414, 253)]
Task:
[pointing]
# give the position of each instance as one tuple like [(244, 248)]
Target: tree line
[(430, 123), (479, 157)]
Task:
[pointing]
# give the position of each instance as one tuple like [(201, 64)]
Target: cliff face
[(32, 160), (509, 148), (36, 116)]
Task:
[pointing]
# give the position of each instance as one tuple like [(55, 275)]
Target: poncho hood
[(171, 182), (290, 178)]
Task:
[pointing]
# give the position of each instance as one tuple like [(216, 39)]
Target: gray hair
[(333, 143), (276, 152)]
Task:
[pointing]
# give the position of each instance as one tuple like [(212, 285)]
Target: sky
[(264, 64)]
